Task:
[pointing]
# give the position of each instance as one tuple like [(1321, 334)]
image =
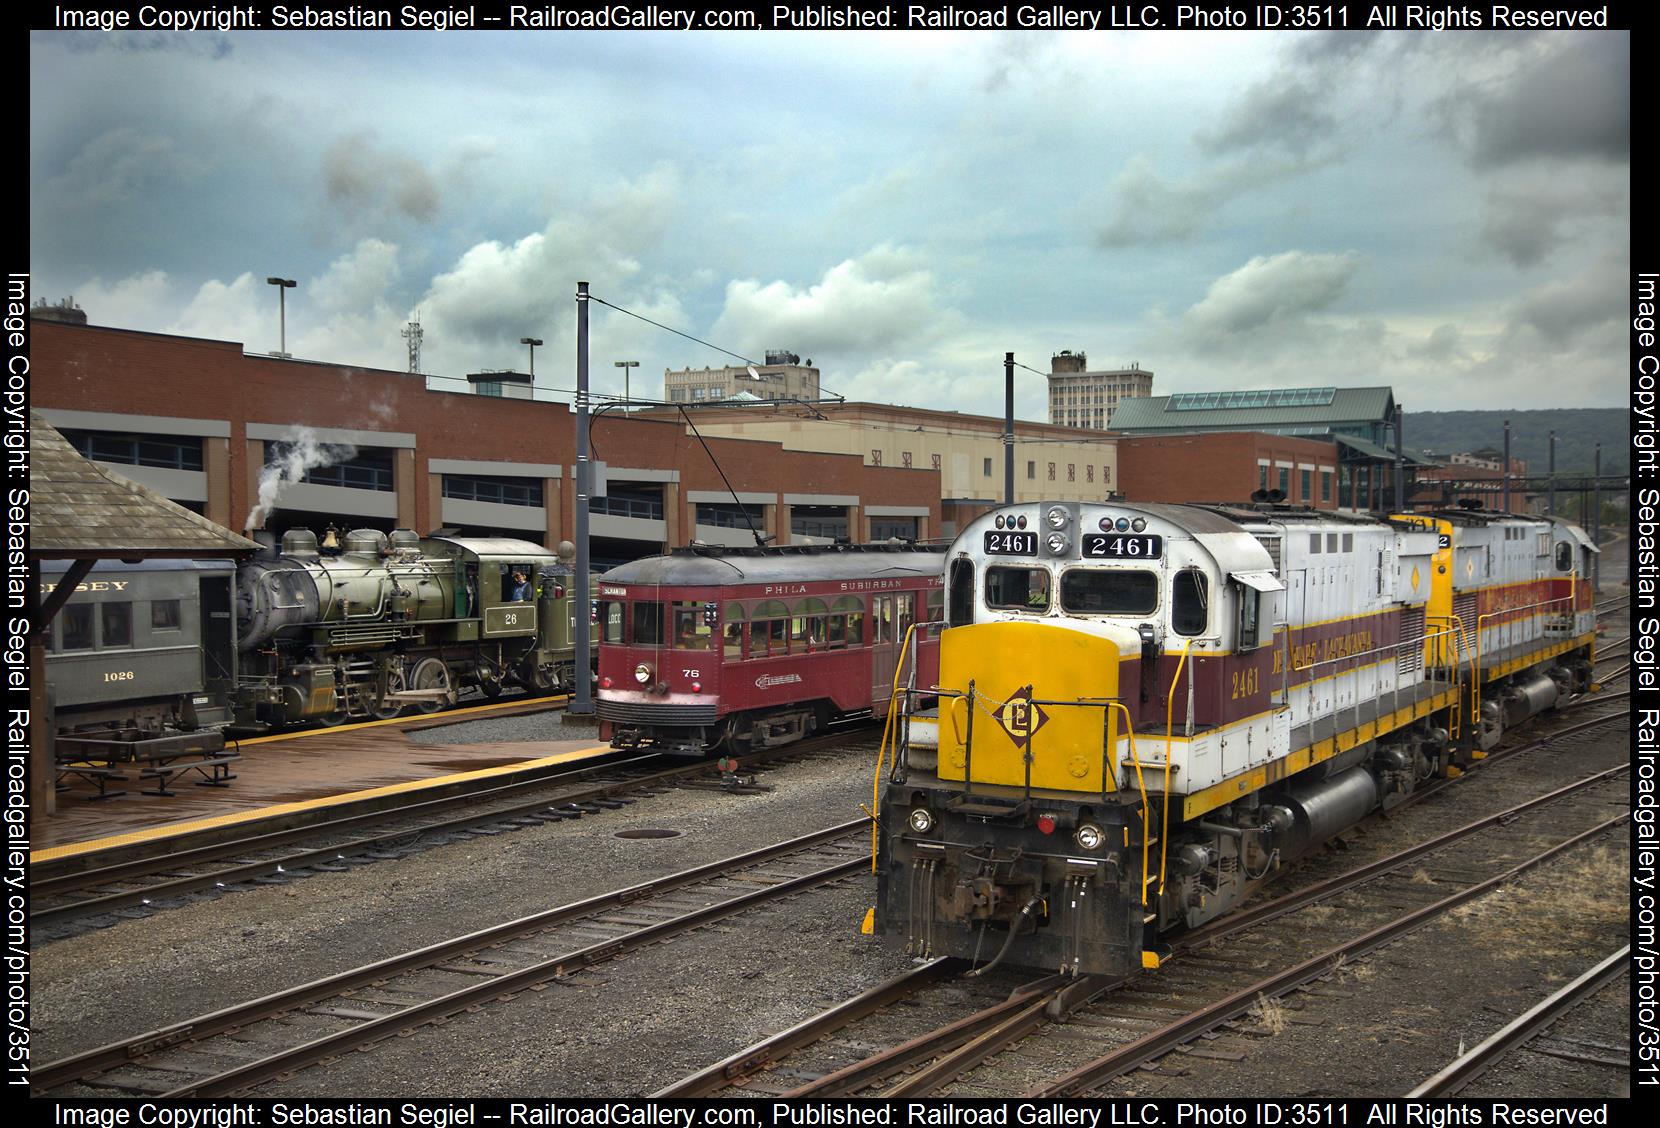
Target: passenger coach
[(750, 648)]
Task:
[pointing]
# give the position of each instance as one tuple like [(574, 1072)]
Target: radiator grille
[(1411, 657), (632, 713)]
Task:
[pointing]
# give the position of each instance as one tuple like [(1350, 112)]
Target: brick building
[(200, 420), (1228, 466)]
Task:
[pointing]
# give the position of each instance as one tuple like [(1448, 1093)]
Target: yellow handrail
[(1169, 736), (1141, 786), (882, 749)]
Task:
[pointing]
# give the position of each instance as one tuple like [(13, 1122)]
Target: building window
[(876, 458), (826, 521), (935, 459), (1262, 476), (498, 491), (1071, 471), (623, 499), (1031, 470), (1051, 471), (181, 453), (1106, 475), (905, 459), (729, 516), (1285, 480), (882, 528), (985, 467), (1308, 484), (1090, 472), (369, 469), (487, 387), (1325, 485)]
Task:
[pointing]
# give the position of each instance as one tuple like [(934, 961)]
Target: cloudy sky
[(1448, 213)]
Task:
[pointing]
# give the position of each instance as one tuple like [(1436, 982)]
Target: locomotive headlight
[(642, 674), (1089, 837), (1058, 543), (922, 820), (1139, 524), (1057, 517)]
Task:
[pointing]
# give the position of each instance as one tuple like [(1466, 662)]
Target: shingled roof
[(79, 510)]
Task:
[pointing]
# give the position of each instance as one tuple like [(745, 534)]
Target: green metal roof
[(1307, 411), (1378, 453)]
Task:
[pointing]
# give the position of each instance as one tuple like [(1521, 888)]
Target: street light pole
[(283, 285), (581, 703), (626, 365), (532, 342), (1550, 508)]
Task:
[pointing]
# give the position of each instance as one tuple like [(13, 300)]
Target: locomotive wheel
[(490, 689), (386, 710), (430, 673), (538, 678)]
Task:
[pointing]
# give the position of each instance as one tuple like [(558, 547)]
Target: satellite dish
[(753, 375)]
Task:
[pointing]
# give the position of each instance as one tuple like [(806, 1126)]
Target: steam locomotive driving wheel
[(431, 674)]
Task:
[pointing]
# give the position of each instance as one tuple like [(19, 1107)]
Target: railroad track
[(818, 1057), (1535, 1021), (66, 903), (233, 1049)]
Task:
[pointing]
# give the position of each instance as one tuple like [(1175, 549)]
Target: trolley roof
[(701, 567)]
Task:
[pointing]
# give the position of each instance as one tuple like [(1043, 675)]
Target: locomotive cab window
[(1565, 556), (1103, 591), (962, 592), (1250, 610), (1189, 602), (1023, 589)]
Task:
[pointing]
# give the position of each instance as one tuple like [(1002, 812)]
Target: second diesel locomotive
[(1144, 709), (748, 648)]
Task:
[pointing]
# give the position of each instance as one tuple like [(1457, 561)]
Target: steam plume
[(289, 461)]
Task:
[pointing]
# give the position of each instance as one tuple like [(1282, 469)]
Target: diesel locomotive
[(1145, 709)]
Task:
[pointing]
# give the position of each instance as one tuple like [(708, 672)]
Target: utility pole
[(581, 703), (1507, 466), (1550, 507), (1596, 523), (1008, 428), (1400, 465)]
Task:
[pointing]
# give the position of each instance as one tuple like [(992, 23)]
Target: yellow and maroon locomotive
[(1145, 708)]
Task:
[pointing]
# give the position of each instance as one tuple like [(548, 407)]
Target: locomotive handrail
[(1509, 637), (1169, 736), (888, 731)]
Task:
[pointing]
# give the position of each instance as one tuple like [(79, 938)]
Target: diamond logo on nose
[(1021, 718)]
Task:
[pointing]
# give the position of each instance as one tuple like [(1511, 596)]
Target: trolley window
[(118, 624), (611, 620), (164, 615), (1189, 602), (769, 629), (77, 626), (647, 624), (808, 624), (847, 622), (732, 634), (692, 630), (1100, 591), (936, 605), (1025, 589)]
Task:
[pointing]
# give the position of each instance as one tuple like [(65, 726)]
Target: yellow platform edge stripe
[(171, 830), (494, 706)]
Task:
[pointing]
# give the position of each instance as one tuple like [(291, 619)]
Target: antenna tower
[(412, 333)]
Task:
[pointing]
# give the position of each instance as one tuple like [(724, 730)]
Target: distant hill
[(1578, 430)]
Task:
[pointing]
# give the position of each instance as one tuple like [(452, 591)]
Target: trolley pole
[(581, 702), (1008, 428)]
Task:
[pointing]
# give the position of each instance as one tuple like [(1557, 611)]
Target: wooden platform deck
[(293, 768)]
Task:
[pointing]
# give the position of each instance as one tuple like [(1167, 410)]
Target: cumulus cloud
[(1146, 207), (139, 300), (362, 177), (200, 43), (1528, 218), (228, 311), (884, 299), (1560, 314), (1270, 293), (1292, 117)]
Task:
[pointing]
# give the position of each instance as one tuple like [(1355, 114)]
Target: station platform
[(291, 773)]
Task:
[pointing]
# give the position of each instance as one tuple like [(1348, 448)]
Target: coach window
[(691, 630), (807, 624), (164, 615), (936, 606), (117, 624), (847, 622), (732, 632), (77, 626), (611, 620), (1024, 589), (647, 624), (907, 615), (1189, 602), (769, 629), (1100, 591)]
